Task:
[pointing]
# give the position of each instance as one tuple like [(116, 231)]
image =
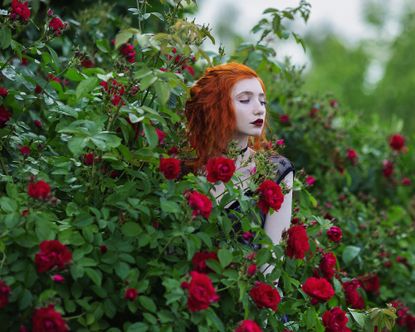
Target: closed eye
[(244, 101), (263, 102)]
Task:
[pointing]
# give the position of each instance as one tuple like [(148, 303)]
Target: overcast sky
[(345, 18)]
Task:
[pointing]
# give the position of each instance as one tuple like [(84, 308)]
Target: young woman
[(226, 104)]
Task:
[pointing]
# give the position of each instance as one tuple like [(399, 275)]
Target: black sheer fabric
[(282, 167)]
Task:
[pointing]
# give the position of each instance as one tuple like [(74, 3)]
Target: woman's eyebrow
[(249, 93)]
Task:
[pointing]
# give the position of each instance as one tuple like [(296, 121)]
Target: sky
[(345, 18)]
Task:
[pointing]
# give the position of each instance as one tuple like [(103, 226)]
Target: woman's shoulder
[(283, 166)]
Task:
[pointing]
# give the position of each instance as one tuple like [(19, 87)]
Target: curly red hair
[(210, 113)]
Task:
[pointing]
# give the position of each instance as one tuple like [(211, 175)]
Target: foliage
[(86, 118)]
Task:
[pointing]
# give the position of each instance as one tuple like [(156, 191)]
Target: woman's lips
[(258, 123)]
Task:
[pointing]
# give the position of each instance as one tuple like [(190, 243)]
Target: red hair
[(210, 113)]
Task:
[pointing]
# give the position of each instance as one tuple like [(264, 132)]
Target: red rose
[(161, 135), (46, 319), (313, 112), (353, 298), (199, 260), (170, 167), (25, 150), (334, 103), (220, 169), (388, 168), (200, 204), (103, 248), (265, 296), (4, 294), (52, 254), (38, 89), (127, 50), (130, 294), (328, 265), (58, 278), (270, 196), (297, 243), (5, 116), (87, 63), (89, 159), (410, 322), (56, 25), (116, 100), (351, 154), (248, 236), (38, 123), (201, 292), (38, 190), (319, 289), (310, 180), (189, 69), (406, 181), (370, 283), (397, 142), (248, 326), (3, 92), (19, 10), (335, 320), (251, 270), (334, 234), (284, 119)]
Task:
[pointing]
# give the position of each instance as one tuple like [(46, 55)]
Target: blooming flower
[(335, 320), (38, 190), (127, 50), (370, 283), (25, 150), (38, 89), (220, 169), (284, 119), (265, 296), (3, 92), (328, 265), (201, 292), (397, 142), (297, 243), (56, 25), (353, 298), (388, 168), (161, 135), (38, 123), (5, 116), (4, 294), (406, 181), (47, 319), (58, 278), (352, 155), (270, 196), (199, 260), (130, 294), (319, 289), (334, 234), (251, 270), (248, 326), (170, 167), (52, 254), (20, 11), (200, 204), (310, 180)]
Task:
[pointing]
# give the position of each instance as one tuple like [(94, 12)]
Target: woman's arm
[(277, 222)]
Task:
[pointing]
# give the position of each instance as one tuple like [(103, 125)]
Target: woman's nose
[(259, 108)]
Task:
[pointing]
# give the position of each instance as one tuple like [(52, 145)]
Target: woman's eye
[(244, 101), (263, 102)]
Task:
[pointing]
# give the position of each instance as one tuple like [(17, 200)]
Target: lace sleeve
[(283, 167)]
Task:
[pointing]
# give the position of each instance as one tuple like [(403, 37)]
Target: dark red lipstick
[(258, 122)]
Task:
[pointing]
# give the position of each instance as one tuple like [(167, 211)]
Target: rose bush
[(95, 236)]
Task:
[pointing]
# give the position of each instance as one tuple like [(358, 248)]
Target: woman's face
[(249, 104)]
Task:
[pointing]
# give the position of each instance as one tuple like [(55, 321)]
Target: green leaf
[(147, 303), (151, 135), (8, 205), (350, 253), (124, 35), (85, 87), (147, 81), (131, 229), (168, 206), (55, 58), (138, 327), (225, 257), (162, 91), (94, 275), (214, 320), (74, 75), (5, 37), (77, 144), (360, 318)]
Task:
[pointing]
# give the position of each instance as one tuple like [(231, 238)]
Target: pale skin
[(250, 107)]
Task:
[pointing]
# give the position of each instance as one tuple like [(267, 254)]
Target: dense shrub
[(100, 229)]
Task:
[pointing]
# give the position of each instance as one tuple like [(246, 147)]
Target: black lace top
[(282, 167)]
